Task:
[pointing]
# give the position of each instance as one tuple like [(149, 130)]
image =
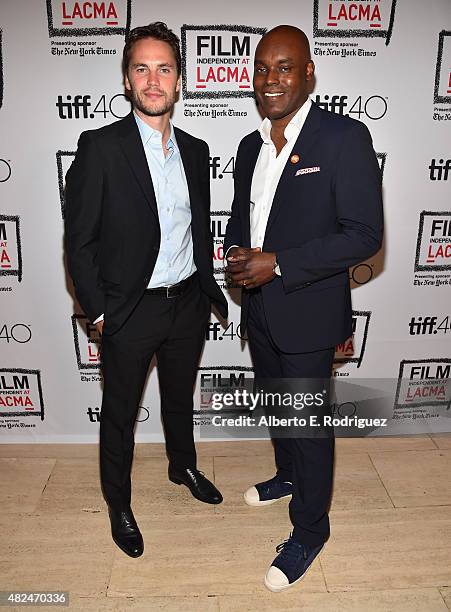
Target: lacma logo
[(423, 382), (218, 220), (353, 349), (87, 343), (10, 247), (21, 393), (217, 60), (75, 18), (219, 378), (434, 241), (442, 86), (361, 18)]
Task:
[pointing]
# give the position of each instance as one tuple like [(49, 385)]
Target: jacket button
[(155, 248)]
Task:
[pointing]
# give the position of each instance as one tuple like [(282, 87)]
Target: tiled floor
[(390, 548)]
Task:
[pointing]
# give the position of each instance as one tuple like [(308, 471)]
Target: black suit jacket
[(111, 220), (320, 224)]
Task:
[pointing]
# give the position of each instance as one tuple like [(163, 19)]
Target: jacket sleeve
[(358, 198), (83, 196)]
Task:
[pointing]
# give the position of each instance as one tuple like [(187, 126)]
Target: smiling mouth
[(273, 95)]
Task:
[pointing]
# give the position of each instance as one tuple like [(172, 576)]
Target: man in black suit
[(139, 250), (307, 206)]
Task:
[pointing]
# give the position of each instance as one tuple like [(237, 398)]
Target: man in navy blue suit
[(307, 206)]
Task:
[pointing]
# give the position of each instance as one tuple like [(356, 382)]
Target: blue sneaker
[(268, 492), (290, 565)]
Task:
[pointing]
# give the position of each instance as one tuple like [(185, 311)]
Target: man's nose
[(153, 77), (272, 76)]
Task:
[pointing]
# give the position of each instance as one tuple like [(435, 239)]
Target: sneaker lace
[(290, 549)]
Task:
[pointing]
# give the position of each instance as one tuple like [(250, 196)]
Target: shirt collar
[(152, 137), (292, 129)]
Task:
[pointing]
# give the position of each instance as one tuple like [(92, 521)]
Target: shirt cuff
[(234, 246), (98, 319)]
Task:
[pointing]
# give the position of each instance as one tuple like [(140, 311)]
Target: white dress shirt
[(268, 170), (175, 260)]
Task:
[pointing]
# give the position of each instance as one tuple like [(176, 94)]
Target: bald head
[(290, 36)]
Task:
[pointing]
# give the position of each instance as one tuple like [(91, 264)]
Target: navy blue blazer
[(320, 224)]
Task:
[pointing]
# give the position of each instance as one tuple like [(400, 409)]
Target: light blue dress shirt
[(175, 260)]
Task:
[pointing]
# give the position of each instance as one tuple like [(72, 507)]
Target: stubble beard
[(153, 109)]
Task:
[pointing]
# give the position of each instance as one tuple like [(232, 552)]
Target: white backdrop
[(387, 63)]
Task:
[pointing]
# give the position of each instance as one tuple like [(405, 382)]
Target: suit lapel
[(133, 149), (306, 139), (190, 167)]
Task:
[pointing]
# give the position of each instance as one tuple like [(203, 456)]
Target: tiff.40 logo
[(218, 169), (429, 325), (82, 107), (439, 171), (374, 107)]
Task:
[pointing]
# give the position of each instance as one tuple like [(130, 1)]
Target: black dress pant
[(306, 462), (173, 329)]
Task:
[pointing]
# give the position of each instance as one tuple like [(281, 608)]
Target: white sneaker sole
[(268, 502), (277, 589)]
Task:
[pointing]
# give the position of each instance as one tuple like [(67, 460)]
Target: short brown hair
[(157, 30)]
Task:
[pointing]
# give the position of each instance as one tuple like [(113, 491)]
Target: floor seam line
[(382, 482)]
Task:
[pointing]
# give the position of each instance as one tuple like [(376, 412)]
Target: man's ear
[(177, 87), (309, 70)]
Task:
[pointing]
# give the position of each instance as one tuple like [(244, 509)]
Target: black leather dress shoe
[(125, 532), (201, 488)]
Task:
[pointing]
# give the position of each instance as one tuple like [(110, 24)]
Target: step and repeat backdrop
[(384, 62)]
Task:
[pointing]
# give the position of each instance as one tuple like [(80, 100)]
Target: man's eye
[(284, 69), (140, 70), (164, 70), (260, 69)]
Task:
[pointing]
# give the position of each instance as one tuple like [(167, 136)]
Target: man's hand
[(99, 326), (250, 268)]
